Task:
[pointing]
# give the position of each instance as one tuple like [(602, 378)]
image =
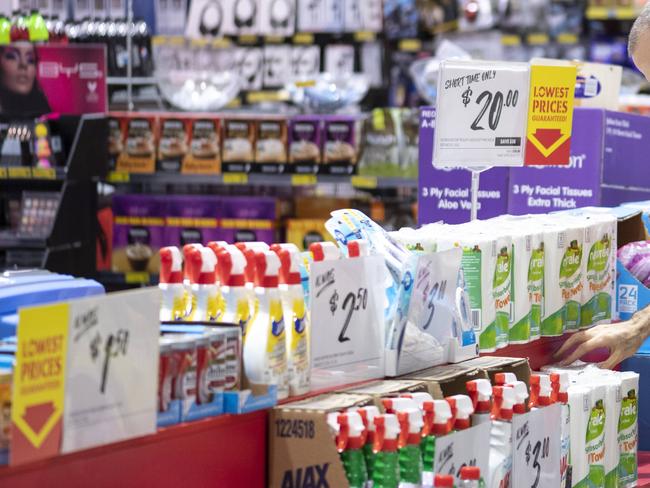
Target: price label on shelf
[(235, 178), (3, 173), (536, 448), (19, 172), (44, 173), (347, 320), (482, 109), (303, 180), (360, 181), (463, 448), (111, 370), (118, 177)]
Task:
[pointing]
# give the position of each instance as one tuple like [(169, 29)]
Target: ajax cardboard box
[(301, 445), (493, 365)]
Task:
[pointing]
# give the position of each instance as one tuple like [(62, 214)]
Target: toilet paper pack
[(571, 271), (553, 304)]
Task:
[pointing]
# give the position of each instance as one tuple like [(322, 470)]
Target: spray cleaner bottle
[(324, 251), (204, 289), (386, 463), (231, 265), (560, 394), (500, 460), (443, 421), (265, 354), (350, 439), (520, 388), (428, 442), (171, 284), (480, 391), (249, 278), (411, 424), (461, 409), (296, 318), (410, 456), (540, 391), (187, 271), (368, 414)]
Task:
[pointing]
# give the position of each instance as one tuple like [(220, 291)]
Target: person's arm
[(622, 339)]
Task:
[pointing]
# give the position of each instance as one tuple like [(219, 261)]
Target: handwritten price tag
[(347, 338), (463, 448), (536, 448), (482, 110), (110, 378)]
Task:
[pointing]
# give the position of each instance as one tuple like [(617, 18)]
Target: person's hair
[(641, 24), (33, 104)]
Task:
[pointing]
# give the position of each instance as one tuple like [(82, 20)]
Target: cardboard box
[(388, 388), (631, 294), (301, 444), (492, 365), (448, 379)]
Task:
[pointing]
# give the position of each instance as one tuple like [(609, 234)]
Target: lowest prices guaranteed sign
[(550, 114)]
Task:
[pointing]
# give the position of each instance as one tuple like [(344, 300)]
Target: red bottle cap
[(470, 473)]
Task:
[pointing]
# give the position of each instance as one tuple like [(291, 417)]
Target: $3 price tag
[(536, 448)]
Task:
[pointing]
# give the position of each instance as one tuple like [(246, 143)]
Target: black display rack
[(69, 245)]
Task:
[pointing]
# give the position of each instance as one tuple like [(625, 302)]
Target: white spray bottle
[(187, 271), (480, 391), (231, 265), (540, 391), (500, 458), (296, 318), (171, 284), (462, 409), (350, 435), (203, 285), (265, 353), (368, 414), (249, 278)]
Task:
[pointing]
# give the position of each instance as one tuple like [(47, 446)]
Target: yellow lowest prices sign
[(550, 114), (39, 379)]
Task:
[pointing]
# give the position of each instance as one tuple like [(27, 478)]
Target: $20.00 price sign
[(482, 111), (347, 320), (536, 448)]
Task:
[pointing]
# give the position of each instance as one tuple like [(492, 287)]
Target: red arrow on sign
[(36, 416), (548, 137)]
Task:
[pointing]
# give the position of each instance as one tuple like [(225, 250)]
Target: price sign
[(347, 320), (482, 109), (432, 311), (536, 448), (111, 370), (463, 448)]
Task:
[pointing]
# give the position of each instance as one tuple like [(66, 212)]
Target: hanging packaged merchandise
[(475, 15), (350, 438), (296, 318), (386, 473), (171, 284), (438, 16), (501, 438), (480, 391), (265, 356), (231, 266), (400, 19), (380, 148)]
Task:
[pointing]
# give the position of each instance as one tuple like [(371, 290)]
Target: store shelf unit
[(223, 451), (68, 245), (257, 179)]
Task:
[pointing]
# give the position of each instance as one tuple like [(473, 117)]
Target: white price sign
[(482, 112), (347, 320), (111, 369), (536, 448), (432, 311), (463, 448)]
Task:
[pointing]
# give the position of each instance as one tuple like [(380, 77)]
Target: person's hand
[(622, 339)]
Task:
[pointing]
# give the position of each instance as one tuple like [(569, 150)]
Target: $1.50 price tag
[(347, 320), (536, 448), (482, 109)]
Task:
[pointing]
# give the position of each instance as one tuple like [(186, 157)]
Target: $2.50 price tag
[(482, 109), (536, 448), (347, 320)]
